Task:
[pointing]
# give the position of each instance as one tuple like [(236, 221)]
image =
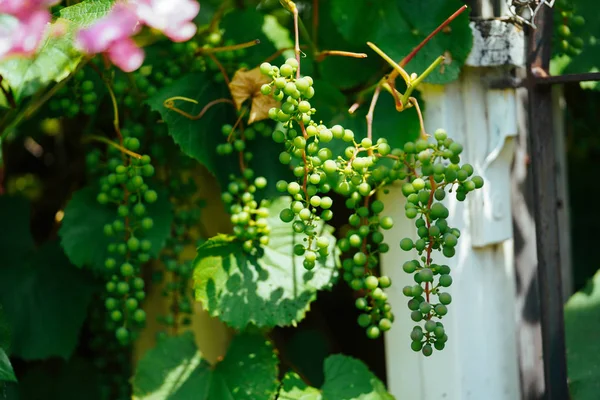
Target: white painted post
[(480, 359)]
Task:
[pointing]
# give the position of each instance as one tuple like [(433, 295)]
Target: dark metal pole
[(543, 165)]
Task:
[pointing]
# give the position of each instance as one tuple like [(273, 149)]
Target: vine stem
[(117, 146), (239, 46), (320, 56), (414, 51), (296, 41), (428, 221), (369, 116), (221, 68), (170, 104)]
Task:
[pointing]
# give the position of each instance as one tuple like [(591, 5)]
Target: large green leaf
[(82, 230), (175, 370), (15, 236), (45, 300), (197, 138), (582, 324), (397, 27), (242, 26), (73, 379), (346, 378), (274, 290), (6, 370), (57, 56)]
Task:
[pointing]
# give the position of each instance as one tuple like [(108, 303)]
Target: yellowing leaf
[(246, 85)]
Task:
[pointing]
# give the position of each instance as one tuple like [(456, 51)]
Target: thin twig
[(369, 116), (117, 146), (320, 56), (170, 104), (211, 50)]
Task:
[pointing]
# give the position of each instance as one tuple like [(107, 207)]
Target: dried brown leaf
[(246, 85)]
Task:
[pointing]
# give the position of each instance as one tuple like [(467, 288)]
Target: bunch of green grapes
[(569, 33), (124, 188), (79, 96), (358, 174), (177, 270), (248, 212), (434, 170), (111, 361)]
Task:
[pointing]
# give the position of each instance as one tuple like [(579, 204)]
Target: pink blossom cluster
[(23, 26), (113, 33)]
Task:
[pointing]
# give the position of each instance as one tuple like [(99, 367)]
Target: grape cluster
[(248, 214), (357, 175), (433, 169), (569, 29), (81, 96), (125, 189), (430, 168)]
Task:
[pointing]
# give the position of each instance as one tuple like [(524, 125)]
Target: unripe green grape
[(416, 316), (385, 282), (371, 282), (111, 303), (364, 320), (322, 242), (445, 280), (420, 245), (425, 307), (445, 298), (361, 303), (348, 135), (122, 287), (122, 334), (139, 316), (416, 345), (410, 266), (265, 68), (116, 315), (426, 275), (441, 310), (373, 332), (448, 251), (293, 188), (427, 350), (356, 284), (406, 244), (386, 223), (127, 269), (305, 214), (430, 325)]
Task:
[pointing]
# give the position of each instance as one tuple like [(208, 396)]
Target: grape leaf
[(198, 138), (175, 370), (274, 290), (15, 237), (397, 27), (73, 379), (294, 388), (242, 26), (45, 300), (6, 370), (582, 322), (57, 56), (346, 378), (82, 230)]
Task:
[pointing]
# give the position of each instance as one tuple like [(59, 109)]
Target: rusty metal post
[(543, 168)]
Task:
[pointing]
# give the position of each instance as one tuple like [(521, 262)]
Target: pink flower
[(21, 8), (172, 17), (23, 36), (112, 34)]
